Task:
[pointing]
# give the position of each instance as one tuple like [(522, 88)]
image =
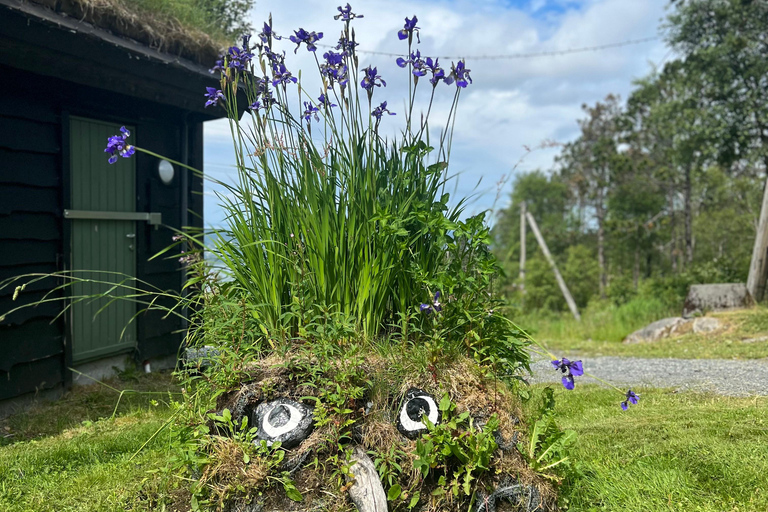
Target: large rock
[(657, 330), (716, 297), (706, 324)]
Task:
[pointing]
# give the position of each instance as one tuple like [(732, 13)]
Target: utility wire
[(519, 55)]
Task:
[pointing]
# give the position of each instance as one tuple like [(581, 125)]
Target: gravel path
[(734, 378)]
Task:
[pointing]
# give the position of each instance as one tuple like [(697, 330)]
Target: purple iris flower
[(267, 34), (325, 101), (309, 38), (282, 76), (218, 66), (333, 58), (347, 46), (574, 369), (346, 14), (459, 74), (246, 41), (438, 73), (213, 96), (408, 29), (435, 306), (371, 79), (632, 398), (309, 111), (116, 145), (377, 113)]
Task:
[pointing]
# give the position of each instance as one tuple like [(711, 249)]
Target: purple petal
[(624, 406), (556, 364), (568, 382), (577, 368)]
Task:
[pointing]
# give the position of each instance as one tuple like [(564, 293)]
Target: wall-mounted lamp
[(165, 171)]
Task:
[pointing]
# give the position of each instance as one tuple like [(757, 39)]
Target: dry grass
[(158, 30)]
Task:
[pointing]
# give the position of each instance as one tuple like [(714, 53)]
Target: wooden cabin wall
[(31, 342), (32, 199)]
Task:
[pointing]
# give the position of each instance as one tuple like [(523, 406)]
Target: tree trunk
[(601, 242), (688, 217)]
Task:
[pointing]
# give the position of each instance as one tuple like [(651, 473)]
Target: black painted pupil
[(279, 416), (416, 408)]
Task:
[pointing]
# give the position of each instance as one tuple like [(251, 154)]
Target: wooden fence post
[(758, 267), (551, 260)]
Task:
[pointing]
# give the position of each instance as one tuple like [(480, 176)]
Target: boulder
[(706, 324), (716, 297), (657, 330), (283, 420)]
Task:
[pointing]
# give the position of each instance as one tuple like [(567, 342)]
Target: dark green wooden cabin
[(65, 86)]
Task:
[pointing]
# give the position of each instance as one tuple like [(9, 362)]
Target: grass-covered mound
[(357, 390)]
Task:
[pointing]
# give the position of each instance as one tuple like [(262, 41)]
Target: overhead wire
[(548, 53)]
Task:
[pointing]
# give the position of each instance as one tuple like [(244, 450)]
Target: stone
[(706, 324), (716, 297), (283, 420), (657, 330), (414, 406)]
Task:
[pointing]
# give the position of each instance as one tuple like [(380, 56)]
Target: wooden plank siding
[(31, 346)]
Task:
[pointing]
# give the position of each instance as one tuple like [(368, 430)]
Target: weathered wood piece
[(366, 492), (551, 260), (758, 267), (716, 297)]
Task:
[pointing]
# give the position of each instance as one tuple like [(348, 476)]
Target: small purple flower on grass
[(632, 398), (213, 96), (435, 306), (573, 368), (408, 29), (116, 146), (309, 38), (346, 14), (371, 79)]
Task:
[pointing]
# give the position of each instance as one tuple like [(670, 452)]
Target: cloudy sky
[(513, 103)]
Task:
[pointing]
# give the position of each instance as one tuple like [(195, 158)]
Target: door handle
[(130, 235)]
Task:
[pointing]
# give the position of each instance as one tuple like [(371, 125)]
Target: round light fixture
[(165, 171)]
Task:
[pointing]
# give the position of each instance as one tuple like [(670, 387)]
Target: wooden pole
[(551, 260), (758, 267), (522, 247)]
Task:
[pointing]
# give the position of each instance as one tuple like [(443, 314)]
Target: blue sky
[(513, 104)]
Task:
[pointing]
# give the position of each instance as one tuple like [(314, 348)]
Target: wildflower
[(347, 46), (435, 306), (282, 76), (116, 146), (302, 36), (213, 96), (377, 113), (632, 398), (370, 80), (324, 101), (408, 29), (218, 65), (238, 58), (438, 73), (267, 34), (309, 111), (459, 74), (574, 369), (346, 14), (246, 41), (415, 60), (333, 59)]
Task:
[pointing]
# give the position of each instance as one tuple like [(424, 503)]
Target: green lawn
[(61, 457), (670, 452), (738, 339)]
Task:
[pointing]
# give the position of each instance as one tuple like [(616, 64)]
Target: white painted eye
[(415, 406), (283, 420)]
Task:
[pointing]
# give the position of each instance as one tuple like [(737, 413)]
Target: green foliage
[(223, 20), (455, 451), (548, 446)]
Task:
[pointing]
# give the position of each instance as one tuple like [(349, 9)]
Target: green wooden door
[(103, 250)]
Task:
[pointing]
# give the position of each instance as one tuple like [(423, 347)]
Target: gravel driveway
[(726, 377)]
